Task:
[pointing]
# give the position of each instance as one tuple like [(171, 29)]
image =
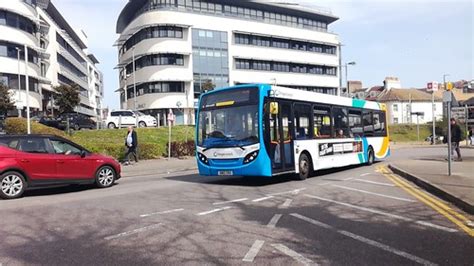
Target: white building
[(404, 104), (179, 45), (57, 54)]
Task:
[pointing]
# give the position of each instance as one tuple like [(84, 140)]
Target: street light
[(27, 78), (19, 81), (448, 110), (134, 81), (352, 63)]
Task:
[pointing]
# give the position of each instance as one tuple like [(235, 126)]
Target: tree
[(67, 98), (208, 85), (6, 103)]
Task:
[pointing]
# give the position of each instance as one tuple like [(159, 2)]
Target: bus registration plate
[(225, 173)]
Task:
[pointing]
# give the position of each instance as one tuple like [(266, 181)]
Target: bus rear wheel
[(305, 167)]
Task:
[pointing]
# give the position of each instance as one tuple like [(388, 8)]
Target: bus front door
[(281, 137)]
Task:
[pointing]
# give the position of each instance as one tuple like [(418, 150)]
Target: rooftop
[(406, 95)]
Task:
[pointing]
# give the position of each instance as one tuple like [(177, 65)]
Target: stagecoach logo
[(222, 154)]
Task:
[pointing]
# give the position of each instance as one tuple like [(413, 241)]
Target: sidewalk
[(159, 166), (431, 173)]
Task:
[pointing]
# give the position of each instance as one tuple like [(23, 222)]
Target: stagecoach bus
[(265, 130)]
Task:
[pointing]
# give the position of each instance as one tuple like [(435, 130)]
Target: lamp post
[(448, 110), (19, 81), (352, 63), (134, 81), (27, 78)]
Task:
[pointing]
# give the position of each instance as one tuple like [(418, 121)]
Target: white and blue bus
[(265, 130)]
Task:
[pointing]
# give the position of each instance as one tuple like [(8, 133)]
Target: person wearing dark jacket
[(131, 142), (455, 138)]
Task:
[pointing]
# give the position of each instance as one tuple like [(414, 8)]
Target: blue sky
[(417, 41)]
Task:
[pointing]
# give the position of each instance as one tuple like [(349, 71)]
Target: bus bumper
[(235, 167)]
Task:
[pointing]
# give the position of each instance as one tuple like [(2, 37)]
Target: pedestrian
[(455, 139), (131, 142), (471, 136)]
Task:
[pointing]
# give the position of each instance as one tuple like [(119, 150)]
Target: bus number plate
[(225, 173)]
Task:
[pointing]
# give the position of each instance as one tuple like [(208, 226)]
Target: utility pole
[(27, 79), (18, 50)]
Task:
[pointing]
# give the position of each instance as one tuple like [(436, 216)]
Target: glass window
[(62, 147), (33, 145), (341, 122), (355, 123), (380, 123), (302, 115), (321, 122), (368, 123)]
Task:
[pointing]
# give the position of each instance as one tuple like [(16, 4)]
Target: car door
[(129, 118), (35, 160), (69, 163)]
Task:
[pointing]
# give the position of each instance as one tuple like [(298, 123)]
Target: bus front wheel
[(370, 156), (305, 168)]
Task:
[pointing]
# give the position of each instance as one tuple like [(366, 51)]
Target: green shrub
[(182, 148), (19, 126)]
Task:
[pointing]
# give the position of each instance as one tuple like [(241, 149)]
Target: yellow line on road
[(438, 206)]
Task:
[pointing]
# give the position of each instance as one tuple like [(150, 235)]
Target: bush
[(18, 126), (181, 149)]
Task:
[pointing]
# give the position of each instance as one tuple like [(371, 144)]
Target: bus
[(265, 130)]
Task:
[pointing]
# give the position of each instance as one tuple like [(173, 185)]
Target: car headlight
[(250, 157), (203, 158)]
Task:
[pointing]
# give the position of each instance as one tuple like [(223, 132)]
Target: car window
[(9, 142), (115, 114), (34, 145), (126, 113), (62, 147)]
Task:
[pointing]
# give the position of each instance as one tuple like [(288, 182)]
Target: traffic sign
[(432, 86)]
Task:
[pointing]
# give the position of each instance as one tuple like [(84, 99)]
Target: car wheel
[(305, 168), (12, 184), (371, 156), (111, 126), (141, 124), (76, 127), (105, 177)]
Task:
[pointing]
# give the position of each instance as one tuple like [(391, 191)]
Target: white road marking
[(293, 254), (294, 192), (212, 211), (366, 241), (274, 221), (262, 199), (163, 212), (286, 204), (372, 193), (375, 183), (447, 229), (136, 231), (325, 184), (347, 179), (230, 201), (366, 174), (252, 253)]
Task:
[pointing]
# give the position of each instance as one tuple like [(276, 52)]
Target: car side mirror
[(83, 154)]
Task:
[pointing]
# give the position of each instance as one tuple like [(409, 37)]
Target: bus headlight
[(250, 157), (203, 158)]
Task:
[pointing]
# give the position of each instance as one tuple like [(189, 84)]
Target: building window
[(11, 81), (156, 60), (152, 32), (248, 64), (395, 107), (17, 21), (395, 120), (9, 50), (157, 87)]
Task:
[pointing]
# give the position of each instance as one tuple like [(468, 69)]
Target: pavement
[(159, 167), (430, 171)]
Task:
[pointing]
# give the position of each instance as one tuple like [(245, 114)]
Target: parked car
[(76, 121), (50, 122), (126, 118), (43, 160), (2, 124)]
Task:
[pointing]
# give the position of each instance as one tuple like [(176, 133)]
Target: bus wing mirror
[(274, 108)]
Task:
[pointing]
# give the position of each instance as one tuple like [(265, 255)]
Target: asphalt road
[(351, 216)]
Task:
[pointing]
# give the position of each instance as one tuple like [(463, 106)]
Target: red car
[(44, 160)]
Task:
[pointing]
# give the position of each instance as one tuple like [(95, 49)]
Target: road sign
[(447, 96), (170, 116), (432, 86)]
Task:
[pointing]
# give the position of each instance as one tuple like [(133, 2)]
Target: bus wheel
[(371, 156), (305, 167)]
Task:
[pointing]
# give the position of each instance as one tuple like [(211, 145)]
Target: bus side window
[(368, 123), (322, 122), (379, 123), (355, 123), (341, 123), (302, 115)]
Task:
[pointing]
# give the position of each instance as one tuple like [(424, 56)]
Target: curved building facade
[(56, 55), (170, 51)]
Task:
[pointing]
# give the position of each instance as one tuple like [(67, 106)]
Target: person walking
[(455, 139), (131, 142)]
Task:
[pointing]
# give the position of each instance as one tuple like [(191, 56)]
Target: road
[(352, 216)]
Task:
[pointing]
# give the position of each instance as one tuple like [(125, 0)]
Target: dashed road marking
[(347, 179), (163, 212), (375, 183), (447, 229), (274, 221), (366, 240), (252, 253), (365, 174), (294, 192), (262, 199), (213, 211), (293, 254), (286, 204), (230, 201), (136, 231), (373, 193)]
